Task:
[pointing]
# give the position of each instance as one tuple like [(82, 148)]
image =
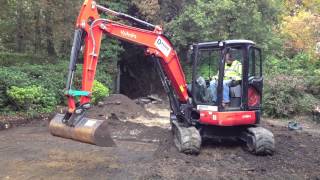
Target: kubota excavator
[(195, 115)]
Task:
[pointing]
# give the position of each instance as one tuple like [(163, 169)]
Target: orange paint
[(156, 44)]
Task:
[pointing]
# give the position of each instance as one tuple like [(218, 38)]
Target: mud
[(147, 152)]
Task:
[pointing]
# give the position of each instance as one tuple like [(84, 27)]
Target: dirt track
[(145, 152)]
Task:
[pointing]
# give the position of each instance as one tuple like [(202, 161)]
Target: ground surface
[(144, 150)]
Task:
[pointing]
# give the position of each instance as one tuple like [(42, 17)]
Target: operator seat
[(235, 89), (235, 94)]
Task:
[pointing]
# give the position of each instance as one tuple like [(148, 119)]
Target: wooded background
[(33, 33)]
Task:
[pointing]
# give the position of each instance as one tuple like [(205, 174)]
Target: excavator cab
[(209, 61), (241, 117)]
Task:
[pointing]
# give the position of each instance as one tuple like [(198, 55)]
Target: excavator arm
[(90, 28)]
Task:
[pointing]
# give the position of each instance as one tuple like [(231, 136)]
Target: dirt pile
[(117, 106)]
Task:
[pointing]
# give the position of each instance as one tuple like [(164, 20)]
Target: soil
[(117, 105), (144, 151)]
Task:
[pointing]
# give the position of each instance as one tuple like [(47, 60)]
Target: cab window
[(255, 62)]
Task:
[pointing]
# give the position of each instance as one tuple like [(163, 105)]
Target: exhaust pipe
[(92, 131)]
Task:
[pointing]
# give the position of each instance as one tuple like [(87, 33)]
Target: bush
[(48, 81), (99, 91), (313, 85), (301, 64), (286, 95), (32, 98), (51, 76), (8, 78), (293, 85), (13, 59), (307, 103)]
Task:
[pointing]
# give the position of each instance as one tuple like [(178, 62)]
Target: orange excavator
[(195, 115)]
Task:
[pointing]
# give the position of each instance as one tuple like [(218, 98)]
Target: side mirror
[(190, 54)]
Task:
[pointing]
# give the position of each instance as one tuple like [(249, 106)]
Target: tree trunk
[(49, 31), (37, 31), (20, 47)]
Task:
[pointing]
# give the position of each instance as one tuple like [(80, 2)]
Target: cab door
[(255, 78)]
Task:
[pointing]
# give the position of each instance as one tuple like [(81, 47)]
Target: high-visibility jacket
[(233, 71)]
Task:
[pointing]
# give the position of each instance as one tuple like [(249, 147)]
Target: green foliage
[(227, 19), (50, 76), (20, 85), (12, 59), (8, 78), (32, 98), (285, 96), (118, 5), (300, 27), (280, 99), (110, 55), (313, 85), (99, 91), (301, 64), (291, 86)]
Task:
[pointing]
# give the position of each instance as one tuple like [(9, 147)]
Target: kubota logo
[(128, 34), (163, 46)]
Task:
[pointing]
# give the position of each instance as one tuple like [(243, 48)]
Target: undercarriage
[(188, 140)]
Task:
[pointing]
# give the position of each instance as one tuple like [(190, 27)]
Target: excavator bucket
[(92, 131)]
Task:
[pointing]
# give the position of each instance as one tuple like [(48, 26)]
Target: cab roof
[(226, 42)]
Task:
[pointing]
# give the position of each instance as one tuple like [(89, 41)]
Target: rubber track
[(186, 139), (264, 143)]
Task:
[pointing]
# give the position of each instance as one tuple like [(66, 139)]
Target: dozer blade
[(86, 130)]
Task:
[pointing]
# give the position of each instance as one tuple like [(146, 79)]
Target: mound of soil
[(119, 106)]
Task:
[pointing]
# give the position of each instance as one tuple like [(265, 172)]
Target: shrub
[(301, 64), (50, 76), (286, 95), (13, 59), (307, 103), (32, 98), (39, 87), (99, 91), (8, 78), (313, 85)]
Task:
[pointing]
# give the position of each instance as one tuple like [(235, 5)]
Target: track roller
[(259, 141), (186, 139)]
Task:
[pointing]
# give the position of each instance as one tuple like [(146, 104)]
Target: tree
[(150, 9), (300, 27), (226, 19)]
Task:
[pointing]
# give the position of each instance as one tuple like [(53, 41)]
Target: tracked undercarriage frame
[(188, 139)]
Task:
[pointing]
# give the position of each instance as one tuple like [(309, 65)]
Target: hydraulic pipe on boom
[(126, 17)]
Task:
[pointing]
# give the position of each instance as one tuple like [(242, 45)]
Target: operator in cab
[(232, 73)]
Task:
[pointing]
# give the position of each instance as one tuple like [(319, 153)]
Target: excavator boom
[(156, 44), (90, 28)]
